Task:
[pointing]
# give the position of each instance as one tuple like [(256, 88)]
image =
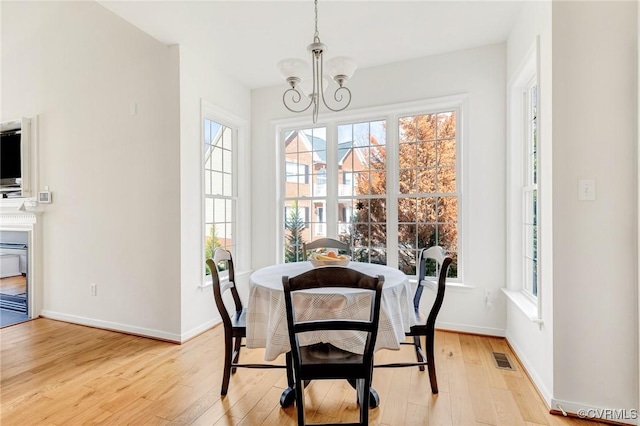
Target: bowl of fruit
[(330, 258)]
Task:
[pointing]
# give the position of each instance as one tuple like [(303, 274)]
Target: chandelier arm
[(294, 98), (342, 94)]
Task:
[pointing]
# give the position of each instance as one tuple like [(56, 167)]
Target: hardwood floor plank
[(506, 408), (480, 391), (527, 401), (59, 374), (470, 351), (459, 392)]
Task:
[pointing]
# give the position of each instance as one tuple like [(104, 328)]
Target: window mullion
[(393, 189), (331, 205)]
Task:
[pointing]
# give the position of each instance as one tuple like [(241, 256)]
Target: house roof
[(319, 146)]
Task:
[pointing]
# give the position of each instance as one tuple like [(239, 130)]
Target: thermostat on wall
[(44, 197)]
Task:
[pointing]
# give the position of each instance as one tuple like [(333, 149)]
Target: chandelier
[(340, 68)]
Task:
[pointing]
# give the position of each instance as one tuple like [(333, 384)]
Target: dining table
[(267, 321)]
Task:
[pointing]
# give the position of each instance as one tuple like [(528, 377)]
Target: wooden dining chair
[(325, 361), (235, 325), (430, 258), (325, 243)]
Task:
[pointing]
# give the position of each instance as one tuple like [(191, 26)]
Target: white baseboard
[(114, 326), (617, 415), (200, 329), (533, 374), (488, 331)]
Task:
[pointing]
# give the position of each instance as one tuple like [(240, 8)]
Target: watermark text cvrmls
[(608, 413)]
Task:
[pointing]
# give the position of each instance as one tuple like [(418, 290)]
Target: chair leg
[(431, 364), (300, 402), (417, 346), (226, 375), (236, 350), (364, 386), (289, 360)]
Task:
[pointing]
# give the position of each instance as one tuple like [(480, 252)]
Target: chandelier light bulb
[(341, 68), (293, 69)]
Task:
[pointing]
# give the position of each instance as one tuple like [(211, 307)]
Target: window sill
[(208, 283), (525, 304), (433, 284)]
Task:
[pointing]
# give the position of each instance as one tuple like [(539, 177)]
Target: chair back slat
[(221, 255), (443, 262), (219, 288)]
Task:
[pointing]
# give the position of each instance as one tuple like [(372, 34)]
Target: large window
[(387, 194), (219, 192), (305, 188)]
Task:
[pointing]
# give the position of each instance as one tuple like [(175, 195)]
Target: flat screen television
[(15, 147), (10, 159)]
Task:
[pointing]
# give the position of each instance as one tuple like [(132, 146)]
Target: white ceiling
[(250, 37)]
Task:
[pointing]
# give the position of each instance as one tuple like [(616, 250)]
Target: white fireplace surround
[(12, 219)]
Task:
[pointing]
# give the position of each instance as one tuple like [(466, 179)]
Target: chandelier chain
[(316, 35)]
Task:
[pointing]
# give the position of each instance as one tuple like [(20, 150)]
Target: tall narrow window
[(428, 198), (305, 189), (530, 190), (361, 165), (219, 192)]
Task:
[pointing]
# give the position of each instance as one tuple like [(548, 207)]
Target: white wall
[(115, 177), (595, 243), (481, 74), (200, 79), (534, 343)]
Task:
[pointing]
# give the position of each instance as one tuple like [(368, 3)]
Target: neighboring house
[(306, 177)]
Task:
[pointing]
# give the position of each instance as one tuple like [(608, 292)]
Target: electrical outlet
[(488, 299), (94, 289)]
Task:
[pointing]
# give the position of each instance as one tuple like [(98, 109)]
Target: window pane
[(426, 180), (208, 210), (448, 209), (407, 210), (447, 152), (447, 237), (446, 125), (216, 183), (446, 177), (426, 127), (426, 235)]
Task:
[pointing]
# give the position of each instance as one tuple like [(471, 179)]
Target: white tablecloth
[(267, 319)]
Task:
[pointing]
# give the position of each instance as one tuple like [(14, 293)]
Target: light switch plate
[(586, 190)]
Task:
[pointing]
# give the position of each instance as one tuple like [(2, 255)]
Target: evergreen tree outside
[(294, 225), (210, 244)]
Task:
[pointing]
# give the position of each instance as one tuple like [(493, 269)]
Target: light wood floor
[(54, 373)]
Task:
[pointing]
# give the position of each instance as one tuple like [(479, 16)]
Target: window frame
[(240, 185), (390, 113), (525, 76)]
